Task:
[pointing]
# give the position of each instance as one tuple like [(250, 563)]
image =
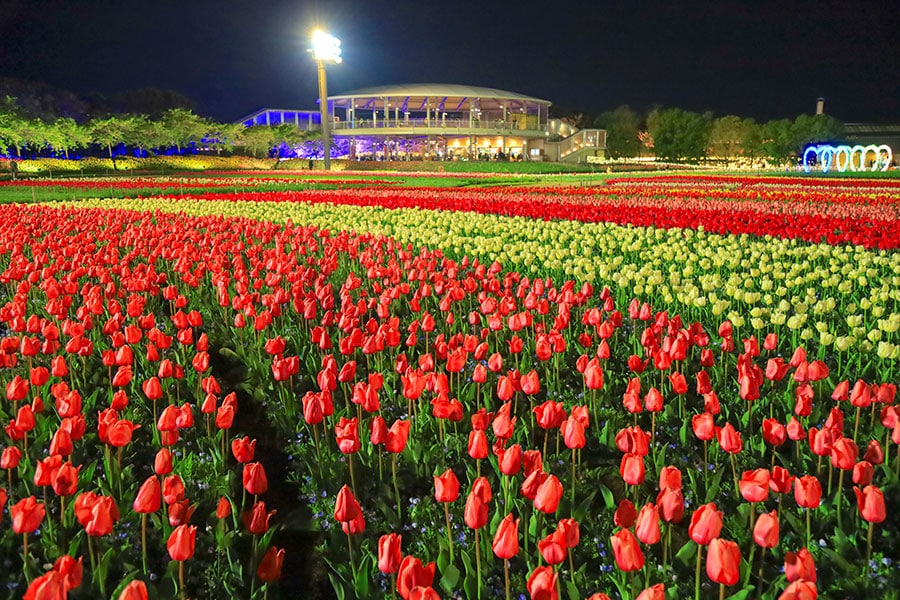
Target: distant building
[(445, 122)]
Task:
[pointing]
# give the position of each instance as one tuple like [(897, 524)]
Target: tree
[(65, 135), (107, 132), (257, 139), (777, 140), (811, 129), (622, 127), (32, 133), (679, 134), (183, 127), (220, 136), (10, 136), (731, 137)]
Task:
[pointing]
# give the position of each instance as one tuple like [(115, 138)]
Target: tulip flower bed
[(803, 292), (457, 427)]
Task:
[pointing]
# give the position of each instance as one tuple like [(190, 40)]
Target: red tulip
[(670, 503), (255, 480), (632, 469), (863, 472), (654, 592), (506, 538), (149, 496), (807, 491), (646, 528), (10, 457), (269, 568), (780, 480), (482, 489), (765, 531), (346, 506), (180, 512), (548, 495), (509, 459), (181, 542), (729, 439), (723, 561), (243, 449), (874, 453), (550, 414), (27, 515), (706, 524), (96, 513), (633, 440), (626, 514), (173, 489), (530, 383), (71, 571), (669, 478), (65, 480), (774, 433), (256, 520), (553, 548), (413, 574), (478, 444), (799, 565), (152, 388), (754, 485), (571, 532), (573, 433), (389, 552), (800, 590), (49, 586), (653, 400), (135, 590), (223, 508), (626, 551), (542, 584), (397, 436), (446, 487), (347, 434), (871, 504), (476, 512)]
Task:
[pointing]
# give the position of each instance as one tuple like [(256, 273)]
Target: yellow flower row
[(844, 296)]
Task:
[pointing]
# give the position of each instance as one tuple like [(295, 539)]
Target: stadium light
[(325, 48)]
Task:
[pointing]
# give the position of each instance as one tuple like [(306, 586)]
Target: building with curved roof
[(423, 121)]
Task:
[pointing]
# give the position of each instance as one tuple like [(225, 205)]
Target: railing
[(494, 124), (586, 138)]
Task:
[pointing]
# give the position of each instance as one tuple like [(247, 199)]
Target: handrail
[(360, 124)]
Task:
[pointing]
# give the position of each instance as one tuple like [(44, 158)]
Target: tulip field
[(373, 386)]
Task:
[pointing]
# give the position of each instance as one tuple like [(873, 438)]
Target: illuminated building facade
[(444, 122)]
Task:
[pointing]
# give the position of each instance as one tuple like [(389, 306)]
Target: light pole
[(325, 48)]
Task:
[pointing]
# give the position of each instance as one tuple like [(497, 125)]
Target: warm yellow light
[(326, 47)]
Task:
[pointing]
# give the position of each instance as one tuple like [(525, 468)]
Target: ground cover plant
[(457, 404)]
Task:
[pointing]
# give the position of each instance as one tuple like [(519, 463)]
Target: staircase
[(577, 147)]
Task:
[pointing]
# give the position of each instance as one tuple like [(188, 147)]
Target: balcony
[(411, 126)]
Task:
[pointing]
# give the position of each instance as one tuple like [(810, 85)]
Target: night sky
[(761, 59)]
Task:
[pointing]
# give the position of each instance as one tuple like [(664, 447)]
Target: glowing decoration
[(848, 157)]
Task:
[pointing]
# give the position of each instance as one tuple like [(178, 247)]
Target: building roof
[(435, 90)]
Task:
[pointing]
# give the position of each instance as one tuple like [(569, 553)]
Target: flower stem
[(396, 489), (869, 546), (506, 576), (697, 572), (478, 564), (144, 541), (449, 533), (181, 593)]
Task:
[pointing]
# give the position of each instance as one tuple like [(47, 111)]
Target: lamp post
[(325, 48)]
